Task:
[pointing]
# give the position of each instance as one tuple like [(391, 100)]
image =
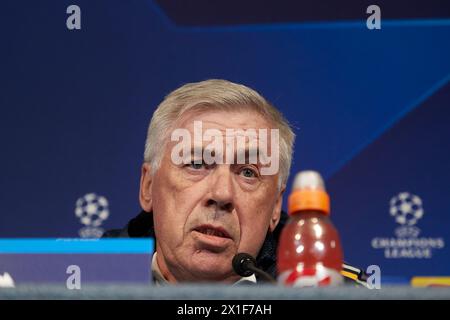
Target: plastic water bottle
[(309, 252)]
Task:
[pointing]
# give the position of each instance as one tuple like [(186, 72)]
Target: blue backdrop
[(371, 109)]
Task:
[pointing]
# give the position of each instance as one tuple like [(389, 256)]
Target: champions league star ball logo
[(92, 210), (406, 208)]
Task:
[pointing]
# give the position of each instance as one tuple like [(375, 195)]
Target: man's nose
[(221, 189)]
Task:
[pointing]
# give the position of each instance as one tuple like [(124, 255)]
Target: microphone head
[(241, 262)]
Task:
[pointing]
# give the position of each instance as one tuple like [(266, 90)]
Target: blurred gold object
[(430, 282)]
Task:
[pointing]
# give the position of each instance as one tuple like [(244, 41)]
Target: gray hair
[(214, 94)]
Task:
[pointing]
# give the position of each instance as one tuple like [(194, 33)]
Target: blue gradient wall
[(370, 108)]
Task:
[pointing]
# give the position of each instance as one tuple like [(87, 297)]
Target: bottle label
[(311, 277)]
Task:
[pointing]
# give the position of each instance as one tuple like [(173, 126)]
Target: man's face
[(205, 214)]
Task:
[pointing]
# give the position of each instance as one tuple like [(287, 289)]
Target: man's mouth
[(213, 231), (211, 238)]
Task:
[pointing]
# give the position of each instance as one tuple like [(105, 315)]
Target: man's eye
[(248, 173), (196, 166)]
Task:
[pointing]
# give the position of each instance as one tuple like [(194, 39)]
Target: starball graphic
[(92, 210), (407, 210)]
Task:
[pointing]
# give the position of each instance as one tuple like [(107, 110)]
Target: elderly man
[(217, 158)]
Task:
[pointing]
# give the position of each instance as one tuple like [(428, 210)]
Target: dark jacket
[(142, 227)]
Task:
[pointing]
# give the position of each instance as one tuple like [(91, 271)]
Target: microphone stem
[(263, 274)]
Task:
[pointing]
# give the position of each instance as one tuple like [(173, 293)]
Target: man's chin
[(210, 266)]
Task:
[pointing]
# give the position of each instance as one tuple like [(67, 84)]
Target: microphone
[(245, 265)]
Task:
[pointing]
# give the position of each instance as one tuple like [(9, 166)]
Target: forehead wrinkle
[(190, 116), (186, 121)]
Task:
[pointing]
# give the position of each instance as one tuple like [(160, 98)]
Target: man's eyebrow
[(249, 154), (248, 151), (197, 149)]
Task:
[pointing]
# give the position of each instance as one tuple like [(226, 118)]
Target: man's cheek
[(250, 241)]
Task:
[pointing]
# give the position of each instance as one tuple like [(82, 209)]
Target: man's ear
[(145, 192), (277, 210)]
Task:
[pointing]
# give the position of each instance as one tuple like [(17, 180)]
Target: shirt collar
[(160, 280)]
